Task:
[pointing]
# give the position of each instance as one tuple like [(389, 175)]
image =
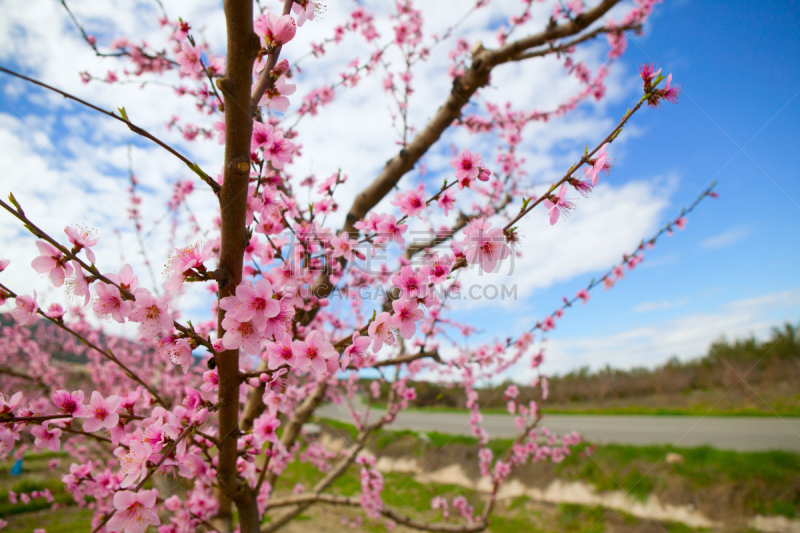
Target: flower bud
[(200, 417), (173, 503), (285, 28), (280, 69)]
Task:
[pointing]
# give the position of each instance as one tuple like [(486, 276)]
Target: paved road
[(726, 433)]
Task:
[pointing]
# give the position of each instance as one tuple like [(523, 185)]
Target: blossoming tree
[(222, 404)]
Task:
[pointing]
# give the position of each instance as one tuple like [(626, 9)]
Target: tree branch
[(105, 353), (264, 80), (133, 127), (463, 88)]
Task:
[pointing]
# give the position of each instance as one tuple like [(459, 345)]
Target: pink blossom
[(158, 433), (485, 457), (313, 352), (280, 325), (511, 392), (152, 313), (305, 11), (134, 463), (406, 315), (583, 294), (26, 309), (261, 137), (182, 30), (264, 428), (70, 403), (200, 417), (274, 30), (210, 380), (275, 98), (648, 72), (278, 150), (46, 437), (485, 246), (54, 311), (411, 203), (343, 246), (671, 92), (119, 43), (281, 353), (240, 335), (680, 223), (7, 439), (78, 285), (467, 166), (558, 205), (192, 256), (179, 351), (125, 278), (135, 511), (52, 262), (82, 238), (381, 331), (252, 303), (220, 127), (193, 401), (447, 201), (592, 172), (4, 264), (7, 405), (390, 229), (412, 283), (101, 413), (189, 60), (109, 302), (440, 268), (356, 351)]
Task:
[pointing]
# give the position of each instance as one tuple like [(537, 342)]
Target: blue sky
[(733, 271)]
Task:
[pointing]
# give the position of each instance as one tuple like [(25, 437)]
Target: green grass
[(579, 519), (65, 520), (36, 476), (769, 482)]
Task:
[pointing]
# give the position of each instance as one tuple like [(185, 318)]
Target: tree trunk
[(235, 86)]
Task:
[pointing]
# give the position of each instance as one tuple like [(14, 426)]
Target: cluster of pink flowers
[(371, 486)]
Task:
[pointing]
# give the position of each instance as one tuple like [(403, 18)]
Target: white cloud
[(612, 221), (726, 238), (685, 337), (68, 165)]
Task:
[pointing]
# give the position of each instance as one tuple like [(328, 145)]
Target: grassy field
[(717, 482), (727, 486)]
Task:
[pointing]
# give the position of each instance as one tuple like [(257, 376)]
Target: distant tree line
[(743, 364)]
